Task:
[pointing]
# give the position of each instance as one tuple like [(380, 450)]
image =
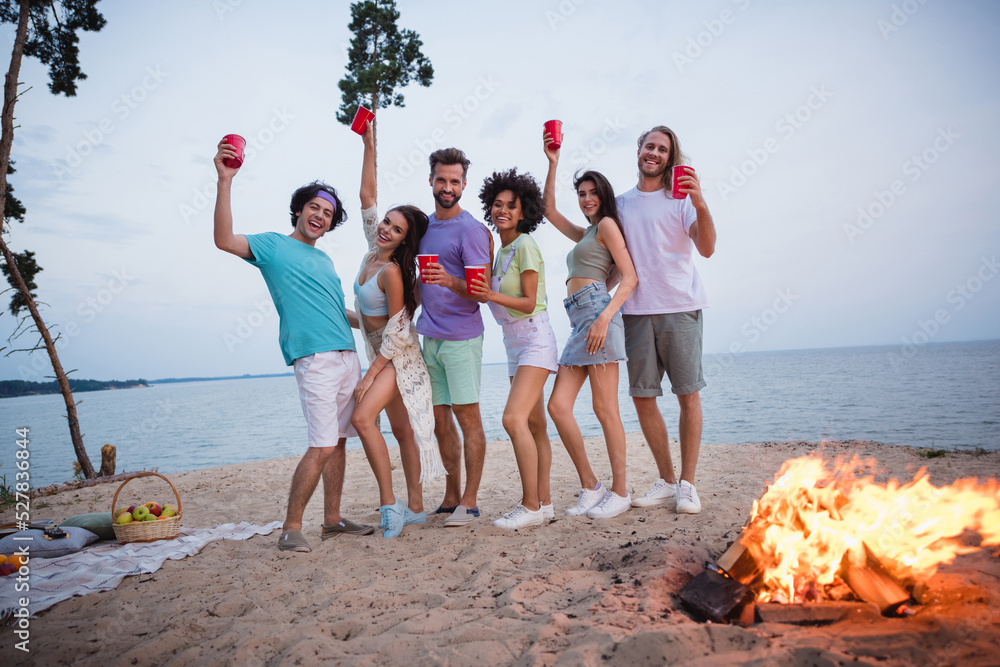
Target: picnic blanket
[(102, 566)]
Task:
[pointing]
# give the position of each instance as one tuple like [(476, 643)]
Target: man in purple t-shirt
[(453, 333)]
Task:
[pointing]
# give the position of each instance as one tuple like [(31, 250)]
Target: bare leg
[(409, 452), (539, 431), (451, 453), (654, 429), (471, 423), (690, 432), (525, 391), (311, 466), (569, 379), (333, 483), (604, 389), (364, 420)]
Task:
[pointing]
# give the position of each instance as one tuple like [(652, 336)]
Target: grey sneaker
[(662, 493), (589, 499), (687, 498), (462, 516)]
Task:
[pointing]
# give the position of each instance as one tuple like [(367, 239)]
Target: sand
[(571, 592)]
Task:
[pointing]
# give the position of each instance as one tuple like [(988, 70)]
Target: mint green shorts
[(455, 368)]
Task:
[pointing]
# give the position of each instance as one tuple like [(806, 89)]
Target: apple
[(154, 508), (131, 508), (162, 516), (168, 511), (7, 568), (140, 513), (149, 517), (124, 517)]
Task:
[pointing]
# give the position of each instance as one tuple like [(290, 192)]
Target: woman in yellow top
[(512, 204)]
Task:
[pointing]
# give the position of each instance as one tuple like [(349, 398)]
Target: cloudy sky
[(848, 152)]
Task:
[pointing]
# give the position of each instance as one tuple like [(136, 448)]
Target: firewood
[(812, 613), (871, 582), (739, 563), (714, 596)]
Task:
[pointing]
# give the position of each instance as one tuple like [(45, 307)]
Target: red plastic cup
[(554, 128), (360, 118), (473, 272), (679, 171), (238, 143), (423, 261)]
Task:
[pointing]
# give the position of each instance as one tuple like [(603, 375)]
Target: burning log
[(871, 582), (714, 596), (739, 564)]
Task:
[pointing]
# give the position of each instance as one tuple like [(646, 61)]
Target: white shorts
[(326, 389), (530, 341)]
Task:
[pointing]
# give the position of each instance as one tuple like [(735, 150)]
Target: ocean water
[(943, 396)]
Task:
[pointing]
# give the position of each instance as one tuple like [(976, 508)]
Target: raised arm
[(610, 236), (236, 244), (573, 232), (702, 232), (368, 168)]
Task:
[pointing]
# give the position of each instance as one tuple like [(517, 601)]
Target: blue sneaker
[(411, 518), (392, 519)]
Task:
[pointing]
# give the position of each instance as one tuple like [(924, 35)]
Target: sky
[(848, 153)]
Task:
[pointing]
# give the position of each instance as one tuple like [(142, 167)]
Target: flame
[(812, 516)]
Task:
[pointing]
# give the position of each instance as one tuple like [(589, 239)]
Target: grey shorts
[(668, 343)]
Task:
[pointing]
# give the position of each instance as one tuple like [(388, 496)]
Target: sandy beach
[(571, 592)]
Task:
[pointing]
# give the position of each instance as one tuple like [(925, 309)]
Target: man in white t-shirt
[(663, 318)]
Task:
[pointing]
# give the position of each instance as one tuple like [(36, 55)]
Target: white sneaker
[(611, 506), (661, 494), (589, 499), (519, 517), (687, 498), (548, 512)]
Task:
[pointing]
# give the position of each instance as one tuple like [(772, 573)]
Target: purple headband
[(323, 194)]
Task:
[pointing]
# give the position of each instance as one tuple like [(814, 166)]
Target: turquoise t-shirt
[(527, 257), (306, 292)]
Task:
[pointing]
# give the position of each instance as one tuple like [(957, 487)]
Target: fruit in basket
[(168, 511), (140, 513), (7, 568), (154, 508), (149, 517), (124, 517), (131, 508)]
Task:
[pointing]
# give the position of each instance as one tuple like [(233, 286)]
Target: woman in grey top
[(597, 340)]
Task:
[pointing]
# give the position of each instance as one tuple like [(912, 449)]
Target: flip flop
[(345, 527), (293, 540)]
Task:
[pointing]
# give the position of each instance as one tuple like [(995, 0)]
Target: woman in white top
[(396, 380)]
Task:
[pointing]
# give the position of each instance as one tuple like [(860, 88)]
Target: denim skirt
[(583, 307)]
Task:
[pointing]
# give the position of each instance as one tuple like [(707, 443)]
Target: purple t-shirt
[(457, 242)]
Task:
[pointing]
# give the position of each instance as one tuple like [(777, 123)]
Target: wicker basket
[(147, 531)]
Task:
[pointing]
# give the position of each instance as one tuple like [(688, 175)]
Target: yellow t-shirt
[(527, 257)]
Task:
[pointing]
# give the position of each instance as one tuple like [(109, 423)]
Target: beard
[(443, 203)]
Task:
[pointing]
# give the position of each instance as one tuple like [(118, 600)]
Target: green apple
[(140, 513), (149, 517), (169, 510), (124, 517)]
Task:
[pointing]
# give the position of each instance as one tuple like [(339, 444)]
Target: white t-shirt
[(656, 233)]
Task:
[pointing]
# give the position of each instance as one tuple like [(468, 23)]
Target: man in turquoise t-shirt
[(315, 337)]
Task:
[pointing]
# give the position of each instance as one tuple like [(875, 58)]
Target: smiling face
[(506, 211), (314, 220), (590, 202), (447, 183), (391, 232), (654, 154)]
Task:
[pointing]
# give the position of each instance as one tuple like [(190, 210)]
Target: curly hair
[(307, 193), (405, 255), (525, 188)]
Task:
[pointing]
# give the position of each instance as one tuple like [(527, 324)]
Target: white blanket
[(102, 567)]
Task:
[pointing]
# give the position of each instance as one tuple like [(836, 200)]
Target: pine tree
[(47, 30), (382, 59)]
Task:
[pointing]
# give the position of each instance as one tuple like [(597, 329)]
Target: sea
[(937, 396)]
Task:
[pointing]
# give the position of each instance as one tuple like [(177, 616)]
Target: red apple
[(154, 508), (7, 568)]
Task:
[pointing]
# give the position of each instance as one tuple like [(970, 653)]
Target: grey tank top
[(588, 258)]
